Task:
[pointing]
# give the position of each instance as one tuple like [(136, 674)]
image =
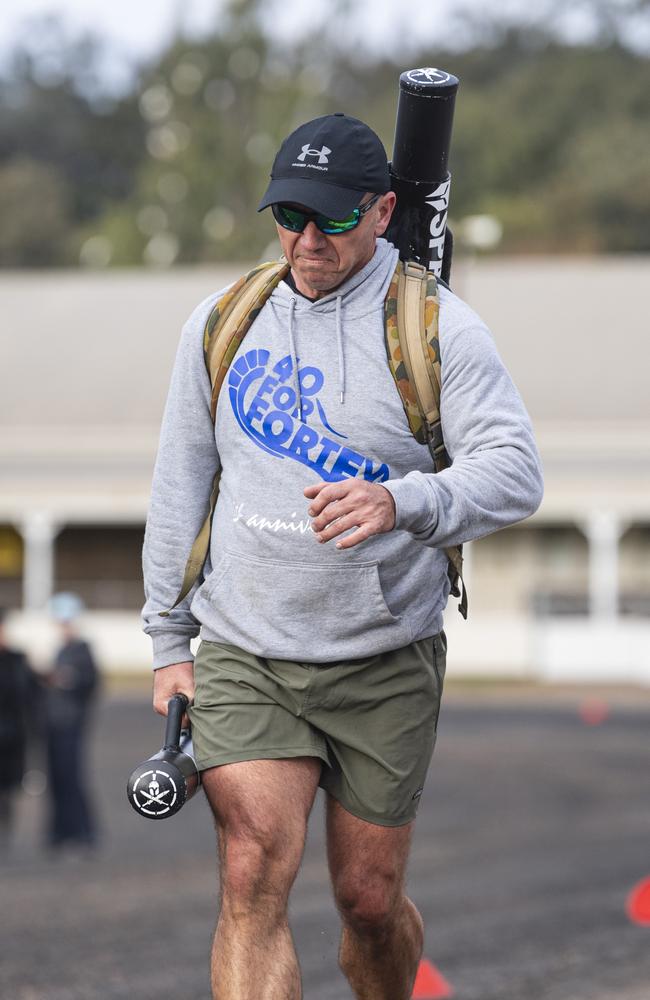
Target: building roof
[(86, 359)]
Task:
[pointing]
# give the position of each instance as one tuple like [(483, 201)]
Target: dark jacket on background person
[(73, 686), (75, 681), (17, 696)]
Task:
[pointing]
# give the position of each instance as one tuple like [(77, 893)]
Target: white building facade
[(86, 360)]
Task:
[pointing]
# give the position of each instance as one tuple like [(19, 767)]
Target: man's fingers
[(338, 526), (327, 493), (338, 507), (313, 491), (360, 535), (177, 678), (334, 510), (161, 707)]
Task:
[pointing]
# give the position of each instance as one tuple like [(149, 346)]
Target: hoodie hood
[(357, 291), (357, 296)]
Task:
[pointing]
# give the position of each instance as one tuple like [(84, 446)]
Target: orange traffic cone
[(430, 984), (593, 711), (638, 903)]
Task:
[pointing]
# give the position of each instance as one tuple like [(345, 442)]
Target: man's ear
[(386, 206)]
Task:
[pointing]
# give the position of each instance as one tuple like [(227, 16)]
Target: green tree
[(34, 208), (53, 115), (214, 113), (551, 138)]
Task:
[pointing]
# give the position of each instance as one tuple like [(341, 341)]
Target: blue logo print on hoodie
[(273, 422)]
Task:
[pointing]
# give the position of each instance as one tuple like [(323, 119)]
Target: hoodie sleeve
[(495, 478), (185, 467)]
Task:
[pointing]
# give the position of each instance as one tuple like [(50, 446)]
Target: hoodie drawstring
[(294, 359), (339, 341)]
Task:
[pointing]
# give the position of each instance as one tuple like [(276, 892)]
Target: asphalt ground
[(533, 828)]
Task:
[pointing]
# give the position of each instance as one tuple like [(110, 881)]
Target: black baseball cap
[(328, 164)]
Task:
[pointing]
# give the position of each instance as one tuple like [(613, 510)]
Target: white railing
[(558, 649)]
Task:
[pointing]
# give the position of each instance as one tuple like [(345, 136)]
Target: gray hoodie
[(309, 397)]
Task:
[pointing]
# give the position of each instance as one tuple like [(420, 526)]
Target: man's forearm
[(472, 498)]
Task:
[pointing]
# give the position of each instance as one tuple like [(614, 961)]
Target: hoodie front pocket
[(278, 605)]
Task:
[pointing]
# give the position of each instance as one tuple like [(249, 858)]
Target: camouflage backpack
[(411, 312)]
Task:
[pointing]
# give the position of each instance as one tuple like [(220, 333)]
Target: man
[(323, 655), (71, 693)]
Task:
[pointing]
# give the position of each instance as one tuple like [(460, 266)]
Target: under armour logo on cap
[(327, 164), (322, 154)]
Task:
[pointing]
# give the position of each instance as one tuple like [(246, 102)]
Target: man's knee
[(369, 905), (258, 868)]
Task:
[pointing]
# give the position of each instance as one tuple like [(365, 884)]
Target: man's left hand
[(352, 503)]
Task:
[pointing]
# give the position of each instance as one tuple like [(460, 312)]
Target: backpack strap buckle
[(414, 270)]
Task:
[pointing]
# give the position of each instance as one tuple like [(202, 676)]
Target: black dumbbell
[(160, 786)]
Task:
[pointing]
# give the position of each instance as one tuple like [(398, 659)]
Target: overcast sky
[(140, 27), (137, 29)]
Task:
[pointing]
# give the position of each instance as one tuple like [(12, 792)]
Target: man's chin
[(319, 276), (317, 266)]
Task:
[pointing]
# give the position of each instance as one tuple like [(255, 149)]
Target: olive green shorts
[(372, 721)]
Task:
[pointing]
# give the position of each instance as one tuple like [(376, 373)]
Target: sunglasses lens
[(333, 226), (295, 220), (290, 218)]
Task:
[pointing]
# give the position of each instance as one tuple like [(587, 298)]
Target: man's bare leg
[(383, 933), (261, 810)]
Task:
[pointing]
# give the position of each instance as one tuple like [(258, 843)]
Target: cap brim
[(336, 202)]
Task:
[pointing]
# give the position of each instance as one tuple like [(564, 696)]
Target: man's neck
[(291, 281)]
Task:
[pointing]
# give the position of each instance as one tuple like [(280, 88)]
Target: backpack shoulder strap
[(232, 317), (412, 310), (226, 326)]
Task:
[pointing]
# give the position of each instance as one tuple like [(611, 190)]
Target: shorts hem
[(268, 753), (368, 817)]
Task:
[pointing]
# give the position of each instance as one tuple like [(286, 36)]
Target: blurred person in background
[(70, 693), (17, 707)]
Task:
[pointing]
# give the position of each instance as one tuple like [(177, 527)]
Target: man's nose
[(312, 238)]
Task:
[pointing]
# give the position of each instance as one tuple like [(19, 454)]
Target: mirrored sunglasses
[(295, 220)]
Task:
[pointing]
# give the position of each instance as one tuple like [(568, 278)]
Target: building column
[(603, 530), (38, 531)]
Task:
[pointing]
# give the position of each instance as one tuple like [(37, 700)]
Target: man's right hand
[(178, 678)]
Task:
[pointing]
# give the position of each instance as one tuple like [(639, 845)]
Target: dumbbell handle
[(176, 708)]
